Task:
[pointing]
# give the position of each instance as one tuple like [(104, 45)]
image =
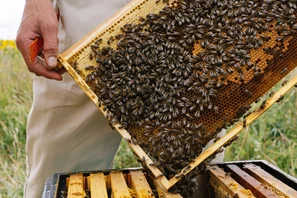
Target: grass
[(15, 101), (272, 137)]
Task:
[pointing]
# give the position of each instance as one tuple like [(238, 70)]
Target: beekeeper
[(65, 132)]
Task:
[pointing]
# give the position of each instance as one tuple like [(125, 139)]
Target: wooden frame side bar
[(266, 178)]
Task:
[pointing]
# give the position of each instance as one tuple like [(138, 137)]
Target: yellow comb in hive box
[(169, 75)]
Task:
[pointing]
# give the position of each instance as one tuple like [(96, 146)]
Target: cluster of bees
[(164, 80)]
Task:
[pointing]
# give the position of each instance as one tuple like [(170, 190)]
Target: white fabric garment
[(65, 130)]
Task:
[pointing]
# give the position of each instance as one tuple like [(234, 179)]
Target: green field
[(272, 137)]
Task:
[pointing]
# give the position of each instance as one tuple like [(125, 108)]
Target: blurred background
[(10, 17), (272, 137)]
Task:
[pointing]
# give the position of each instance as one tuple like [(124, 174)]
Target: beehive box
[(169, 75), (245, 179), (249, 179)]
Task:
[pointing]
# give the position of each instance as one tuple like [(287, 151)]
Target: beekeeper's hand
[(40, 20)]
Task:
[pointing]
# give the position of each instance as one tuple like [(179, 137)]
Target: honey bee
[(187, 168), (74, 65), (91, 56), (280, 98), (159, 176), (284, 83), (177, 176), (216, 139), (257, 100), (263, 104), (248, 93), (271, 93), (90, 67), (128, 140)]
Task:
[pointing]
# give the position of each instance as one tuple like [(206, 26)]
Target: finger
[(40, 70), (23, 41), (41, 60), (49, 30)]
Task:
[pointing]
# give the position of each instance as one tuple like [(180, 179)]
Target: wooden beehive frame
[(129, 12), (116, 184)]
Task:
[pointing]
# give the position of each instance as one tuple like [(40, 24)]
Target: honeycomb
[(175, 73)]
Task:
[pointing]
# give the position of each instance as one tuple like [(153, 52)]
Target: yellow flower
[(7, 44)]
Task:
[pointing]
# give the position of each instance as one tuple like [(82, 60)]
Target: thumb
[(50, 46)]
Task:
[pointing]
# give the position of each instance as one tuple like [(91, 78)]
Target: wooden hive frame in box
[(130, 184), (245, 179), (79, 54), (249, 179)]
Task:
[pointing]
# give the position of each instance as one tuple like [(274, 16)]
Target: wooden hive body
[(245, 179)]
